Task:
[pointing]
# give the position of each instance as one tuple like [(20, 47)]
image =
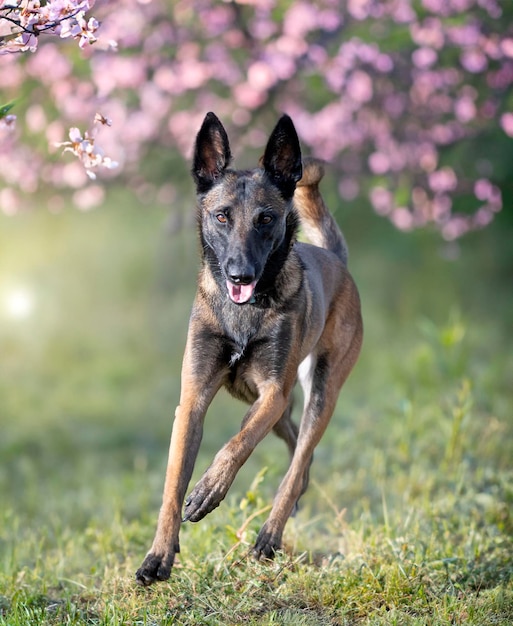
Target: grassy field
[(409, 516)]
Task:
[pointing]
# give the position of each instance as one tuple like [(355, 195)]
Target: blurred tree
[(410, 100)]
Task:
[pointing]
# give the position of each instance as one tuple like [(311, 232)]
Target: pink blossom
[(217, 19), (506, 121), (443, 180), (329, 19), (429, 33), (465, 109), (49, 65), (10, 202), (359, 86), (248, 96), (72, 175), (300, 19), (483, 189), (465, 35), (402, 12), (36, 118), (379, 163), (359, 9), (89, 197), (291, 46), (402, 218), (427, 157), (261, 76), (382, 200), (455, 227), (383, 63), (424, 57), (506, 47), (473, 60), (87, 151), (263, 27)]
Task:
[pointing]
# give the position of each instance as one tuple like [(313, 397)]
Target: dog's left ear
[(212, 153), (282, 157)]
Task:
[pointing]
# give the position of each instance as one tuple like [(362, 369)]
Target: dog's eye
[(221, 218), (266, 219)]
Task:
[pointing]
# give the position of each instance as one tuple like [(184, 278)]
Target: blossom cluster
[(408, 99), (86, 150), (23, 21)]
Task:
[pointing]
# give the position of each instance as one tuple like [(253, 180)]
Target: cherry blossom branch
[(65, 18)]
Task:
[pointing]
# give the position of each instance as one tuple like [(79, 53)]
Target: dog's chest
[(241, 325), (241, 329)]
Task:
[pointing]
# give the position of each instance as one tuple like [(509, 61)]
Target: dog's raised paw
[(204, 498), (199, 504)]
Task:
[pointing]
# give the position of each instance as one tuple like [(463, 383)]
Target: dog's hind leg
[(323, 379), (287, 430)]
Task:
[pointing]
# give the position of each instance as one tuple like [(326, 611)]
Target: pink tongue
[(240, 293)]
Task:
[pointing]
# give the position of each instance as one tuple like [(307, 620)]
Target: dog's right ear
[(212, 153)]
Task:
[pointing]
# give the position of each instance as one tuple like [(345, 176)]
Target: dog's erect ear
[(212, 153), (282, 157)]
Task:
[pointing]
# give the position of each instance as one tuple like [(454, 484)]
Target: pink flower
[(300, 19), (484, 190), (84, 148), (359, 86), (473, 60), (507, 47), (379, 163), (382, 200), (465, 109), (402, 218), (430, 33), (443, 180), (89, 197), (506, 122), (424, 57), (261, 76)]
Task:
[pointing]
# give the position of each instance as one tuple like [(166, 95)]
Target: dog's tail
[(317, 222)]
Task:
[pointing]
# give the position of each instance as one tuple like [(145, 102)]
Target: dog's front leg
[(215, 482), (199, 385)]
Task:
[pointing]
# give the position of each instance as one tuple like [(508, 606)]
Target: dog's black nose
[(241, 279)]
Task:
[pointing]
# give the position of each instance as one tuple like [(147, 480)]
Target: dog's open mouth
[(241, 293)]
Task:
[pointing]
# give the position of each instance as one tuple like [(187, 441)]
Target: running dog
[(268, 311)]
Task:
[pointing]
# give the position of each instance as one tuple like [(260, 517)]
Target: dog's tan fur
[(302, 323)]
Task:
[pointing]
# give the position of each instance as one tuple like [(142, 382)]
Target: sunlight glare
[(19, 303)]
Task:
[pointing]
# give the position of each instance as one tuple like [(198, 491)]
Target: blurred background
[(412, 105)]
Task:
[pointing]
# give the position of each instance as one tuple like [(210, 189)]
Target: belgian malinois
[(268, 311)]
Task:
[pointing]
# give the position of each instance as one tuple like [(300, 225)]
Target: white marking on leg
[(305, 375)]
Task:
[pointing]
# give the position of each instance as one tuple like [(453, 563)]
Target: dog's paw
[(203, 500), (266, 545), (153, 569), (207, 495)]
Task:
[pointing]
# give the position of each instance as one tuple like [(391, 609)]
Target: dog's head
[(247, 222)]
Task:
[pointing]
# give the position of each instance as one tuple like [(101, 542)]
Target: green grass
[(409, 516)]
